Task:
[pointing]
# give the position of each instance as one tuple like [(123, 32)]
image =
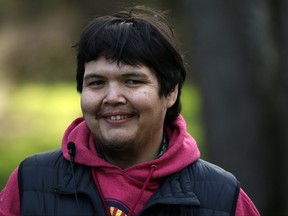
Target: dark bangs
[(113, 38), (128, 41)]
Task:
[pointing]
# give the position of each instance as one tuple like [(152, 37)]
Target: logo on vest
[(117, 208)]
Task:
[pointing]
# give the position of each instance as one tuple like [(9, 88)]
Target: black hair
[(138, 36)]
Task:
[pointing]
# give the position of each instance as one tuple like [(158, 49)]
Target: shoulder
[(42, 159), (41, 170), (214, 186), (203, 170), (245, 206), (40, 167), (9, 197), (208, 176)]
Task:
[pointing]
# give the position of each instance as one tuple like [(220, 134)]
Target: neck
[(125, 158)]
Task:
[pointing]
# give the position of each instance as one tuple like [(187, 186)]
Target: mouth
[(118, 117)]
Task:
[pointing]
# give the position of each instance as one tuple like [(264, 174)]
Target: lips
[(116, 115), (119, 117)]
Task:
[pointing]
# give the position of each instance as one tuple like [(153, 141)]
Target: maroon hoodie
[(125, 191)]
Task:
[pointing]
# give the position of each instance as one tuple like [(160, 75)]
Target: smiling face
[(123, 109)]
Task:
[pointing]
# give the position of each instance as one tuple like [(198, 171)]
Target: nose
[(114, 95)]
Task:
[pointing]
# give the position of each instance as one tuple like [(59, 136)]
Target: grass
[(35, 116)]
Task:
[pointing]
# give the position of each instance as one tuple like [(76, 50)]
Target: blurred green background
[(235, 99), (37, 88)]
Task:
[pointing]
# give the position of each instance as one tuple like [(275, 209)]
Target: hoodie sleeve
[(245, 206), (9, 197)]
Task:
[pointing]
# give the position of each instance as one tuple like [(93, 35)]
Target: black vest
[(48, 186)]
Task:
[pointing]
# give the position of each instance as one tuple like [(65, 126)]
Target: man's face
[(122, 106)]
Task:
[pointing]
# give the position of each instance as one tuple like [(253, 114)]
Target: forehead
[(104, 66)]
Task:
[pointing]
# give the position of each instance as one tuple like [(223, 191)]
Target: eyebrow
[(134, 74), (92, 76), (128, 74)]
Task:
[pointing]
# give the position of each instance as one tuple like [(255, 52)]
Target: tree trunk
[(238, 66)]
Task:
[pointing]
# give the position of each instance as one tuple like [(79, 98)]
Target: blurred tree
[(36, 36), (281, 11), (241, 54)]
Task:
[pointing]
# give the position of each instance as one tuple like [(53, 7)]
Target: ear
[(172, 97)]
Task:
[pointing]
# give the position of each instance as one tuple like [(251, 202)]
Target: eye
[(96, 83), (133, 82)]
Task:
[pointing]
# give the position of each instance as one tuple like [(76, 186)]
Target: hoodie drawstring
[(153, 167), (100, 192)]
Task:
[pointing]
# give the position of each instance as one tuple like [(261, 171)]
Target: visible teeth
[(117, 117)]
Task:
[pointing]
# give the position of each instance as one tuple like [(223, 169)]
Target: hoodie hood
[(134, 185), (182, 149)]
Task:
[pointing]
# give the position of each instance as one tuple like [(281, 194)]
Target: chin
[(117, 145)]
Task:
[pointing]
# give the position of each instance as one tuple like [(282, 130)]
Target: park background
[(235, 99)]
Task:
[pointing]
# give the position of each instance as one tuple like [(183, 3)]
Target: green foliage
[(34, 120), (36, 116), (191, 111)]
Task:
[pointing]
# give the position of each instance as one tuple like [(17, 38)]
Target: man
[(130, 153)]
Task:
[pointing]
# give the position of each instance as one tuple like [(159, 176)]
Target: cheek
[(84, 105), (143, 98), (88, 104), (150, 101)]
